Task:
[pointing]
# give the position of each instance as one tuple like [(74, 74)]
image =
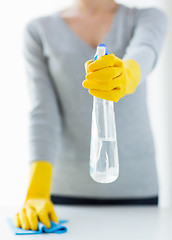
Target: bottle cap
[(101, 51)]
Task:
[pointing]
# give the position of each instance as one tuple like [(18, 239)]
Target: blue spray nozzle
[(103, 46)]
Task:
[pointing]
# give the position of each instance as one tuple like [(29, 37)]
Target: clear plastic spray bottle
[(104, 164)]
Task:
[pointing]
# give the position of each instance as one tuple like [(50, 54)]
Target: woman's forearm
[(40, 180)]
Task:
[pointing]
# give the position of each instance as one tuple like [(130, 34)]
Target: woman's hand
[(41, 209), (38, 205), (111, 78)]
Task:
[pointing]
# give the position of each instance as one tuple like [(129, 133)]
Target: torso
[(91, 29), (70, 128)]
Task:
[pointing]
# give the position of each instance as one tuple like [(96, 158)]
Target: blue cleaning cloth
[(55, 228)]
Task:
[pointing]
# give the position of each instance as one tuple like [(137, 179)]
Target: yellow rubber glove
[(37, 205), (111, 78)]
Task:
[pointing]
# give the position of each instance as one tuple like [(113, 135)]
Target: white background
[(14, 169)]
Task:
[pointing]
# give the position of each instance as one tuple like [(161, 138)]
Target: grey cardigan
[(60, 108)]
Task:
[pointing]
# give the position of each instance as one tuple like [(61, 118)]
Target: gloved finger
[(101, 85), (87, 64), (113, 95), (32, 218), (23, 219), (95, 85), (109, 60), (43, 217), (105, 74), (16, 221), (53, 216)]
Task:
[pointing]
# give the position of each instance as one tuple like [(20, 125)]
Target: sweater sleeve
[(44, 113), (147, 39)]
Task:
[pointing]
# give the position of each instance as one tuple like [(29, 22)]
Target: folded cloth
[(55, 228)]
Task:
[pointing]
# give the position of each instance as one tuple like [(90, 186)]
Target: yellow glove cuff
[(133, 75), (40, 180)]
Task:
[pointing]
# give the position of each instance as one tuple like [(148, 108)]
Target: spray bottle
[(104, 164)]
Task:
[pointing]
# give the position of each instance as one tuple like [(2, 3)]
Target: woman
[(56, 47)]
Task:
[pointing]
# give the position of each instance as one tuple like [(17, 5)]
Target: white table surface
[(100, 223)]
